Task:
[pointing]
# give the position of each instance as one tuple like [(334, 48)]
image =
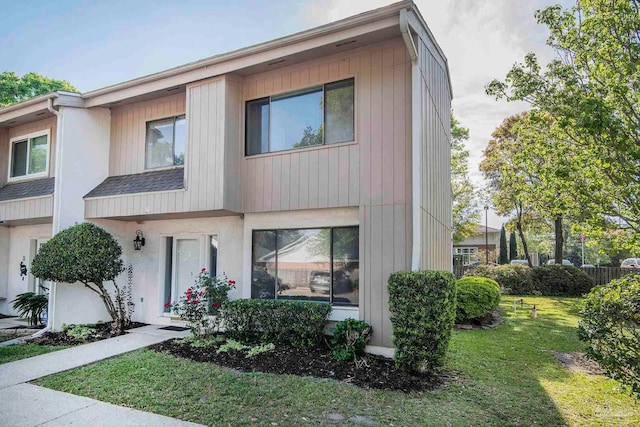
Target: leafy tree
[(504, 257), (513, 246), (591, 92), (507, 179), (310, 137), (87, 254), (465, 211), (14, 89)]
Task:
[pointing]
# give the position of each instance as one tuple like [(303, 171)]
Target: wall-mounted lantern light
[(138, 242)]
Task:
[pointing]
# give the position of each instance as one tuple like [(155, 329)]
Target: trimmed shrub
[(476, 297), (561, 280), (513, 279), (350, 337), (423, 309), (610, 326), (294, 323)]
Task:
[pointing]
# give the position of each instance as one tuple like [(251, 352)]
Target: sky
[(93, 44)]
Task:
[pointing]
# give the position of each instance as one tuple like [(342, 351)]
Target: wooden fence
[(600, 275), (603, 275)]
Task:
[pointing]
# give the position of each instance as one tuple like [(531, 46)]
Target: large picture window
[(314, 116), (29, 156), (317, 264), (166, 141)]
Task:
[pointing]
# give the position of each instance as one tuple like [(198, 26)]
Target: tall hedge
[(561, 280), (513, 279), (610, 326), (423, 310)]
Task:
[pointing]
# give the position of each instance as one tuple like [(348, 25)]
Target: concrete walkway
[(30, 405)]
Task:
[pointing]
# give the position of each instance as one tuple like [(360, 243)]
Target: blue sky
[(93, 44)]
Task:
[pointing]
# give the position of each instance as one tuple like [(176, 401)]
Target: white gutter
[(416, 142)]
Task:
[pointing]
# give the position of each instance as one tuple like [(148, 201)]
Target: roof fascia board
[(16, 113), (318, 37)]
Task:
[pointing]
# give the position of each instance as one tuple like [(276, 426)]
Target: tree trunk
[(557, 224), (521, 234), (111, 309)]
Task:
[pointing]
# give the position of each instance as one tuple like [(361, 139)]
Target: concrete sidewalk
[(30, 405)]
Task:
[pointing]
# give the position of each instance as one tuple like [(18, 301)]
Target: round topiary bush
[(513, 279), (610, 326), (476, 297), (561, 280)]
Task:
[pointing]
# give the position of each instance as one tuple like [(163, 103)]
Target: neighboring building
[(311, 166), (469, 248)]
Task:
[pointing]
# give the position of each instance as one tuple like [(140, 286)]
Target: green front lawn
[(11, 353), (504, 376)]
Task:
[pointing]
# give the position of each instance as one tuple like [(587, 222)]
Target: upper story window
[(29, 156), (166, 141), (314, 116)]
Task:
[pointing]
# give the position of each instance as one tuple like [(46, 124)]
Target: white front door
[(186, 265)]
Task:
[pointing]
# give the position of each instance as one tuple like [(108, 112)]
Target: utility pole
[(582, 240), (486, 234)]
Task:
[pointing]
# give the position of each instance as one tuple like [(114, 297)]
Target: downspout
[(416, 141), (53, 288)]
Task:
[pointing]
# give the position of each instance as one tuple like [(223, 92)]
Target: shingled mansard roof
[(164, 180)]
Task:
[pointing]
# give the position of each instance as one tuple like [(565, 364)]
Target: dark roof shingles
[(23, 190), (164, 180)]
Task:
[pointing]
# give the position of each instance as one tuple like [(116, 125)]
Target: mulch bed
[(576, 361), (488, 321), (378, 373), (103, 331)]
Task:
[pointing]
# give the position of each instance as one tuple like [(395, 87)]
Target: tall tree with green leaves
[(513, 246), (465, 211), (503, 258), (591, 92), (14, 89)]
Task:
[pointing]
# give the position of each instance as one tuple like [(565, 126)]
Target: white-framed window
[(319, 115), (184, 257), (166, 142), (469, 255), (29, 156)]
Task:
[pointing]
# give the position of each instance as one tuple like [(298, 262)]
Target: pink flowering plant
[(201, 304)]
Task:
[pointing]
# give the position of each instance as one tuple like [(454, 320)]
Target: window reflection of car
[(320, 281)]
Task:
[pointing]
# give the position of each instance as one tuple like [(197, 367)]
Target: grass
[(22, 351), (505, 376)]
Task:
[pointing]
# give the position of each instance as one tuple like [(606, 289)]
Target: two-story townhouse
[(309, 167)]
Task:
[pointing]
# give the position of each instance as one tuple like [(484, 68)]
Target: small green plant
[(423, 308), (610, 326), (201, 304), (31, 306), (78, 332), (203, 342), (231, 344), (259, 349), (475, 297), (350, 337)]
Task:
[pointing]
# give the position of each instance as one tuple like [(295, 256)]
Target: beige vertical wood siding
[(50, 124), (436, 161), (129, 127), (37, 207)]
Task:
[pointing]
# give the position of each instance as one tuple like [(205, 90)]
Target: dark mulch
[(576, 361), (378, 373), (488, 321), (102, 332)]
